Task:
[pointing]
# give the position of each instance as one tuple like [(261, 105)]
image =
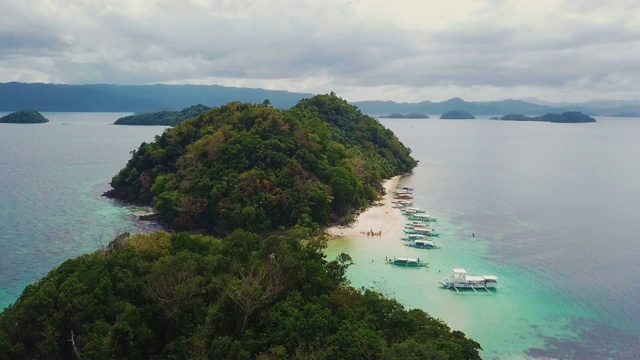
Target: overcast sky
[(401, 50)]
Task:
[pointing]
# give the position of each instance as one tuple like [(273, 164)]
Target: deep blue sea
[(553, 208)]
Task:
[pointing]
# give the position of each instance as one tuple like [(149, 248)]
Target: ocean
[(52, 177), (548, 208)]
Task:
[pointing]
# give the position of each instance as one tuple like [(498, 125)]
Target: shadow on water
[(592, 341)]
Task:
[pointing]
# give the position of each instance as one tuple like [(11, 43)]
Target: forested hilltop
[(184, 296), (252, 166)]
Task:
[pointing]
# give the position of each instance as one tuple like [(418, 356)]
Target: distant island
[(24, 117), (457, 114), (567, 117), (628, 114), (165, 118), (405, 116)]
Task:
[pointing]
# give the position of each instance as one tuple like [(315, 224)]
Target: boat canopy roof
[(490, 277), (461, 271), (475, 278)]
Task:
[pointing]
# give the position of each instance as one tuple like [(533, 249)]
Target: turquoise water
[(553, 210), (51, 180)]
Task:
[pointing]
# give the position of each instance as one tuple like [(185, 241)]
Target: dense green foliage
[(166, 118), (24, 117), (185, 296), (405, 116), (457, 114), (255, 167), (567, 117)]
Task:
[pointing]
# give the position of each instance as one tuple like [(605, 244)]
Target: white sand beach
[(384, 218)]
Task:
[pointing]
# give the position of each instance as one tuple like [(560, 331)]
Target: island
[(164, 118), (566, 117), (628, 114), (264, 181), (252, 166), (457, 114), (24, 117), (404, 116)]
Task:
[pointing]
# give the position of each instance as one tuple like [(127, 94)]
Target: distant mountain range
[(16, 96), (132, 98)]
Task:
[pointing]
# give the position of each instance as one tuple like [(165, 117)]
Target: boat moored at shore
[(422, 244), (421, 231), (460, 280), (412, 237), (407, 262)]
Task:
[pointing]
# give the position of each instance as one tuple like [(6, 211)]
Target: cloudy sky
[(401, 50)]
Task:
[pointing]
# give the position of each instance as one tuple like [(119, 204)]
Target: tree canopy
[(252, 166), (184, 296)]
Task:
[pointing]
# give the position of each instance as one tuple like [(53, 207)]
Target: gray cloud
[(370, 49)]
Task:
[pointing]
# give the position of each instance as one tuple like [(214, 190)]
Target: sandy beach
[(384, 218)]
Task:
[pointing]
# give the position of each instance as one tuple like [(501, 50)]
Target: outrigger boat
[(420, 217), (408, 262), (422, 244), (460, 280), (412, 237), (403, 196), (413, 210), (422, 230)]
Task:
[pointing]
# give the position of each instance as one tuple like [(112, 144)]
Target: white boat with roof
[(408, 262), (420, 217), (460, 280), (421, 230), (406, 188), (422, 244), (413, 210), (411, 237)]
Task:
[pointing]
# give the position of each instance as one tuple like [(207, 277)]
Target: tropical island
[(164, 118), (566, 117), (404, 116), (24, 117), (258, 168), (457, 114), (266, 181)]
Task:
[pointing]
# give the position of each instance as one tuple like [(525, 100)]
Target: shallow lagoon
[(552, 208)]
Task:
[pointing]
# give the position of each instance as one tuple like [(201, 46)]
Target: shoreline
[(382, 218)]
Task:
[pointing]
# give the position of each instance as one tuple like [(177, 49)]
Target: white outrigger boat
[(413, 210), (460, 280), (408, 262), (411, 237), (420, 217), (421, 230), (422, 244)]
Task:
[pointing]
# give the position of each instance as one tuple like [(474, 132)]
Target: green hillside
[(252, 166), (182, 296)]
